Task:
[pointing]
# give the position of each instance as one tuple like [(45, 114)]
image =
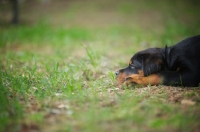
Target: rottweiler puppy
[(178, 65)]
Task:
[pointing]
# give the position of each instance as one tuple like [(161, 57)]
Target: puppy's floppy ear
[(166, 56), (151, 63)]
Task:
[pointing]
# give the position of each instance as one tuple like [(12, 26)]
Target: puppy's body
[(178, 65)]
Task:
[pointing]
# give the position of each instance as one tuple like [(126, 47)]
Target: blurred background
[(166, 17)]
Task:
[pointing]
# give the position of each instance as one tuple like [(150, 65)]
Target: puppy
[(178, 65)]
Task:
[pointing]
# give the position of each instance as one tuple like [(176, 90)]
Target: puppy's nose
[(117, 73)]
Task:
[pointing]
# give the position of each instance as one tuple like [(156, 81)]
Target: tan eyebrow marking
[(130, 62)]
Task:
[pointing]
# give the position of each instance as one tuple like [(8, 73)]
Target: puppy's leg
[(169, 78), (176, 78), (152, 79)]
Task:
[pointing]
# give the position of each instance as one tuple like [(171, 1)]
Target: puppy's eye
[(131, 66)]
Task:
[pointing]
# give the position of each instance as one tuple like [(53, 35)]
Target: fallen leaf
[(187, 102)]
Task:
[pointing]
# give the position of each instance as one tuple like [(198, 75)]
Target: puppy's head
[(143, 63)]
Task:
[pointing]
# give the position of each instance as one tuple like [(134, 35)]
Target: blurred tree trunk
[(15, 19)]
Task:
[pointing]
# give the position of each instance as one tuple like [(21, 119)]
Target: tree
[(15, 18)]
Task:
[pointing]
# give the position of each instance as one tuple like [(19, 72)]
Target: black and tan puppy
[(178, 65)]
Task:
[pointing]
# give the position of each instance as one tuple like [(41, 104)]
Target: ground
[(58, 65)]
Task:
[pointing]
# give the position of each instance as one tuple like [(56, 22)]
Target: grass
[(57, 71)]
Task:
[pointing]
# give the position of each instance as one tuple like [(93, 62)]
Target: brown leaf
[(29, 128), (187, 102)]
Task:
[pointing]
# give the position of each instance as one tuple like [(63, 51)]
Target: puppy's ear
[(166, 56), (151, 63)]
